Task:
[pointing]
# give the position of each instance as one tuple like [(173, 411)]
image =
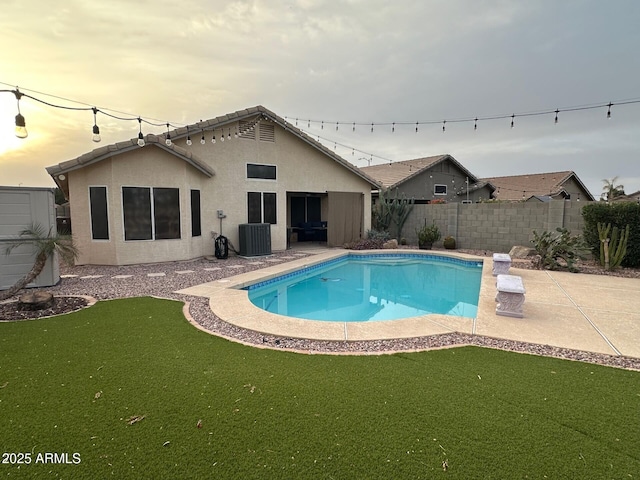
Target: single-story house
[(540, 187), (631, 197), (164, 200), (437, 178)]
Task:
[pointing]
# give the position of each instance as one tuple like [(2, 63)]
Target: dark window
[(269, 202), (99, 217), (255, 207), (136, 208), (261, 207), (196, 218), (439, 189), (298, 211), (267, 172), (166, 213)]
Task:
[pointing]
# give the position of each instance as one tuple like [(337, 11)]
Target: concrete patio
[(592, 313)]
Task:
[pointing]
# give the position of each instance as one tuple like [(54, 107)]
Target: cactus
[(614, 248), (392, 210)]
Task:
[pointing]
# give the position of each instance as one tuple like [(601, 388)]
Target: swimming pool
[(376, 287)]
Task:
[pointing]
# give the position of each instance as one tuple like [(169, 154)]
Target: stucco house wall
[(300, 167)]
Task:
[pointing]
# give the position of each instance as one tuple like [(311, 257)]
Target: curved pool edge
[(231, 304)]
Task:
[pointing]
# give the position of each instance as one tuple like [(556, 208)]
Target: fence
[(495, 226)]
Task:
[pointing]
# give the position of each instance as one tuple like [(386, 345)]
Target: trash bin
[(222, 247)]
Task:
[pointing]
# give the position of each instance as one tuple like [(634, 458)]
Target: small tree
[(46, 245)]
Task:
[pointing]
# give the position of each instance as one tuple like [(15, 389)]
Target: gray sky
[(339, 61)]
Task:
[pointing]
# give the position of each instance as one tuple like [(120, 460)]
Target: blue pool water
[(374, 287)]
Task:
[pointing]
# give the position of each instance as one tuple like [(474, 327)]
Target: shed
[(20, 207)]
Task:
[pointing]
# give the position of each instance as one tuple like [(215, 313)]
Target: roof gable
[(551, 184), (394, 174), (256, 114)]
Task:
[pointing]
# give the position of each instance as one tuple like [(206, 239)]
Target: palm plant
[(46, 244), (610, 190)]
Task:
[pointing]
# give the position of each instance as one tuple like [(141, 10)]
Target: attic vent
[(247, 129), (267, 133)]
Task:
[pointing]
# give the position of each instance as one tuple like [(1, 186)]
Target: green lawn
[(270, 414)]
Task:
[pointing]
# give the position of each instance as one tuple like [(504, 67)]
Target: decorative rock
[(35, 301), (391, 244), (519, 251)]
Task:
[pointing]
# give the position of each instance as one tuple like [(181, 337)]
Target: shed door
[(345, 217)]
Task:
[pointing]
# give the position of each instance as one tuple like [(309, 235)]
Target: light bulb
[(168, 141), (140, 140), (189, 142), (229, 135), (235, 134), (222, 137), (202, 141), (21, 127), (213, 139), (96, 134)]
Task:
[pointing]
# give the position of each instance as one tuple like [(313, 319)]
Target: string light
[(393, 127), (202, 140), (372, 128), (336, 126), (475, 125), (608, 111), (556, 119), (168, 137), (444, 126), (354, 127), (96, 130), (229, 134), (140, 136), (21, 124), (416, 127), (189, 142), (512, 120), (213, 138)]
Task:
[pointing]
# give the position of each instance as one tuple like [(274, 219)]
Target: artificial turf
[(70, 384)]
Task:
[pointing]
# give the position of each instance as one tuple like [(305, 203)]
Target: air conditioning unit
[(255, 239)]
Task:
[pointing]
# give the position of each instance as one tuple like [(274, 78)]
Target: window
[(196, 217), (142, 222), (99, 216), (266, 172), (439, 189), (261, 207), (136, 209), (166, 213)]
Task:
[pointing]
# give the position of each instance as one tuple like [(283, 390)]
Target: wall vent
[(247, 129), (255, 239), (267, 133)]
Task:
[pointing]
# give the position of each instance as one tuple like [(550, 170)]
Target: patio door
[(346, 217)]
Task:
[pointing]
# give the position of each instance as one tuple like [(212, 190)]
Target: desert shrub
[(557, 250), (619, 214)]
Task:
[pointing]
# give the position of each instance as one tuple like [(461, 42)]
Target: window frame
[(435, 188), (197, 223), (152, 213), (275, 171), (263, 209), (106, 201)]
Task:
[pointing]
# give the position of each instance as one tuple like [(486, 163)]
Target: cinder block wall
[(495, 226)]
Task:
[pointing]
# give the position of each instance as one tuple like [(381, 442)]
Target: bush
[(553, 247), (620, 215)]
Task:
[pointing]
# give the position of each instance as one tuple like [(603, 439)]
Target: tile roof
[(392, 174), (218, 122), (514, 187)]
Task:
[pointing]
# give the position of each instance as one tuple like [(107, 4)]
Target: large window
[(196, 217), (151, 213), (99, 216), (261, 207), (266, 172)]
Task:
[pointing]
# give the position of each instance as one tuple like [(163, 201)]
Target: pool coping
[(230, 303)]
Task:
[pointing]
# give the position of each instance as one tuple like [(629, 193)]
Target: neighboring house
[(438, 178), (157, 203), (540, 187), (632, 197)]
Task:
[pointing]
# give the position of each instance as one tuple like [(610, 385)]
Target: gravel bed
[(101, 286)]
